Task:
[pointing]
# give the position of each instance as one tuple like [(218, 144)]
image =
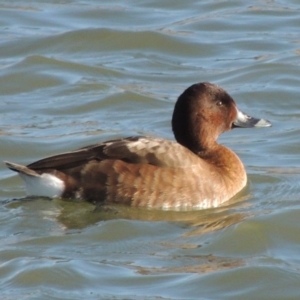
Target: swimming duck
[(192, 172)]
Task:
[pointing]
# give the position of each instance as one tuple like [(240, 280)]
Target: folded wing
[(135, 150)]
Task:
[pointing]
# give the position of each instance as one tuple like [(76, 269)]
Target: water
[(73, 73)]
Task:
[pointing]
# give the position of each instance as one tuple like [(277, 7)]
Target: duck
[(192, 172)]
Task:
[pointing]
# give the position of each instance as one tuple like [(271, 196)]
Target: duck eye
[(219, 103)]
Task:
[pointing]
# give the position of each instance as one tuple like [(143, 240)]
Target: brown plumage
[(194, 172)]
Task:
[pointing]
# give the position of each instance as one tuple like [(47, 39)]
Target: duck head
[(203, 112)]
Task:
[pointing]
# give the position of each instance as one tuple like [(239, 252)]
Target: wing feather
[(137, 149)]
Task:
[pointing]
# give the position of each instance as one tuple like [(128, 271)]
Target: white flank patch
[(45, 185)]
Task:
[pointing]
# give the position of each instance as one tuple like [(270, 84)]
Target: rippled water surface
[(74, 73)]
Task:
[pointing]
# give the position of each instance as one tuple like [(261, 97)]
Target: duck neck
[(196, 138)]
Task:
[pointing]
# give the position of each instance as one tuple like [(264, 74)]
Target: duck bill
[(245, 121)]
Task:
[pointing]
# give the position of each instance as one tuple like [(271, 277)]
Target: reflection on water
[(74, 215), (195, 264)]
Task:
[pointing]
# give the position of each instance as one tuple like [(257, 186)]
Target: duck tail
[(21, 169)]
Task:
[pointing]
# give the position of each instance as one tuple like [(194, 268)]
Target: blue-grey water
[(73, 73)]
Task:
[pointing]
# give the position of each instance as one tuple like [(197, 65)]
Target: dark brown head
[(204, 111)]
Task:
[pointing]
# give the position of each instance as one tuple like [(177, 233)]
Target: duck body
[(194, 172)]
